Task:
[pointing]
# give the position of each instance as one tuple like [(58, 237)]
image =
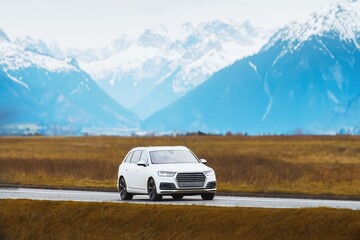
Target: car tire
[(153, 195), (177, 196), (207, 196), (124, 195)]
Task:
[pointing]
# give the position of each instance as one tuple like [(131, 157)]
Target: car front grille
[(190, 179)]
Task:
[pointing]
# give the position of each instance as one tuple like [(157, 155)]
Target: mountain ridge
[(173, 59), (44, 92), (290, 83)]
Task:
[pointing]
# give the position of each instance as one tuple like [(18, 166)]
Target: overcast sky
[(93, 23)]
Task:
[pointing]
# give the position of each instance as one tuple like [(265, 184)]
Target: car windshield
[(172, 156)]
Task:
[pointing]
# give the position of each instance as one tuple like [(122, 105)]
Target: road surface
[(220, 201)]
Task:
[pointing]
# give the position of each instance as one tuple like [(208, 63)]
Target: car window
[(128, 157), (172, 156), (144, 157), (136, 156)]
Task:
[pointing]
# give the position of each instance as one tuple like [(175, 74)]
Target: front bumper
[(169, 185)]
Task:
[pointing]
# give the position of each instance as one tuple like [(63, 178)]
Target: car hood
[(182, 167)]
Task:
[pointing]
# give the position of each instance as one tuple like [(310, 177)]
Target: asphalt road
[(220, 201)]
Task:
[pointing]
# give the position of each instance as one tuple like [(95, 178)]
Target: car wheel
[(177, 196), (207, 196), (124, 195), (152, 191)]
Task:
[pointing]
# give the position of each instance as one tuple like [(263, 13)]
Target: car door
[(141, 172), (132, 168), (124, 167)]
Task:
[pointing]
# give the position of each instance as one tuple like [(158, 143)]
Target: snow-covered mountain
[(307, 76), (39, 46), (340, 19), (3, 36), (150, 71), (42, 91), (30, 44)]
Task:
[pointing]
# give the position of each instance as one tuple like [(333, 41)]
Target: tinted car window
[(136, 156), (144, 156), (128, 157)]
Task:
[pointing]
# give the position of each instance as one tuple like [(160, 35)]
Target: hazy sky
[(92, 23)]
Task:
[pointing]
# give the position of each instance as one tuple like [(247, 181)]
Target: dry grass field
[(26, 219), (276, 164)]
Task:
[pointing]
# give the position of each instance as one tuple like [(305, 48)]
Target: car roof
[(159, 148)]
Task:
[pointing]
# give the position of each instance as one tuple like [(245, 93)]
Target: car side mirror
[(203, 161), (141, 163)]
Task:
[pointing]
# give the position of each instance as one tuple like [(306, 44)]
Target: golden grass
[(276, 164), (26, 219)]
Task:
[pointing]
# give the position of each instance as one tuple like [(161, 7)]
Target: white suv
[(159, 171)]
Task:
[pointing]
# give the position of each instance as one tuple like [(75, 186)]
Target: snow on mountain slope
[(3, 36), (132, 70), (307, 77), (28, 43), (14, 57), (40, 90), (340, 17)]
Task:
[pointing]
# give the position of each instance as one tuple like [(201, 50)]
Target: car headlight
[(210, 173), (166, 174)]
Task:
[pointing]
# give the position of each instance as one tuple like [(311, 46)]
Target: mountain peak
[(55, 50), (31, 44), (341, 18), (162, 63), (155, 37), (3, 35)]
